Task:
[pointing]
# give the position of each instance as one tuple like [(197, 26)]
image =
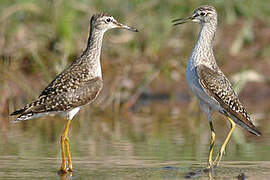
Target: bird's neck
[(93, 51), (202, 53)]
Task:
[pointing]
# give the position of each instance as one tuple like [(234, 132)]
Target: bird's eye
[(202, 14), (108, 20)]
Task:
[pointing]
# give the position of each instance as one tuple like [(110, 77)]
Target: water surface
[(130, 146)]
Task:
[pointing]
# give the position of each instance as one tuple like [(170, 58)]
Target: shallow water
[(132, 146), (13, 167)]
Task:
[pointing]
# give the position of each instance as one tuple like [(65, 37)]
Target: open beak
[(126, 27), (181, 21)]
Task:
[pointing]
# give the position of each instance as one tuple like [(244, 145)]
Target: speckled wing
[(61, 98), (72, 97), (218, 86), (71, 78)]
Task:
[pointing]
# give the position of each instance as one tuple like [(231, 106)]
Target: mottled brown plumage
[(76, 86), (209, 84), (218, 86), (64, 94), (81, 82)]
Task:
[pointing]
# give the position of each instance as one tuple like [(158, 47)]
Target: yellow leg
[(63, 166), (213, 138), (64, 143), (68, 155), (222, 149)]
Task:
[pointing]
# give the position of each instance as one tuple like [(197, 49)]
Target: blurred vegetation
[(38, 39)]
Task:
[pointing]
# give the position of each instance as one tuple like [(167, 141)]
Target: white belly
[(195, 86)]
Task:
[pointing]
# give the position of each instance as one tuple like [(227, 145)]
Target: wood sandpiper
[(76, 86), (209, 84)]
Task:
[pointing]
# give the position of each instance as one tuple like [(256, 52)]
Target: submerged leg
[(64, 143), (222, 149), (213, 138)]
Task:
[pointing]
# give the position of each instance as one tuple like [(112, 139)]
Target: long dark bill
[(181, 21), (126, 27)]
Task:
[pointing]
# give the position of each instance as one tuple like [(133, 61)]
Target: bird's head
[(203, 14), (105, 22)]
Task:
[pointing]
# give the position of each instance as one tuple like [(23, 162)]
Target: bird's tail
[(250, 127), (22, 115), (17, 112)]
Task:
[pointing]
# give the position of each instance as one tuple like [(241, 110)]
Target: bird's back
[(72, 88)]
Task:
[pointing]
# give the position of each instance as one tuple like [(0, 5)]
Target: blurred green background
[(145, 108)]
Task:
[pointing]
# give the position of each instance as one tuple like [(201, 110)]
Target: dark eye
[(202, 14), (108, 20)]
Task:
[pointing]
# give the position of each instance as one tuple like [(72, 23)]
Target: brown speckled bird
[(76, 86), (209, 84)]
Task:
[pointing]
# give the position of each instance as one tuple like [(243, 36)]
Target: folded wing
[(218, 86)]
